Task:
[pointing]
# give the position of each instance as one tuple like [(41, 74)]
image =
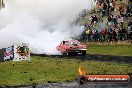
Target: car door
[(63, 46), (60, 47)]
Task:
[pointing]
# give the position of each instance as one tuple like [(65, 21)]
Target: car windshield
[(72, 43)]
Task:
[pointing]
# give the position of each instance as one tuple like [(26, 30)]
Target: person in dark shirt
[(108, 20), (98, 11), (95, 18), (103, 12), (128, 12), (108, 11)]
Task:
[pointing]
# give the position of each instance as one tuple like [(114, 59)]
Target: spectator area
[(110, 20)]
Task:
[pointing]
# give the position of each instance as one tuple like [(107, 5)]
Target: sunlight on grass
[(120, 50)]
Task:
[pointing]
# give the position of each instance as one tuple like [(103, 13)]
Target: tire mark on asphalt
[(98, 57), (75, 85)]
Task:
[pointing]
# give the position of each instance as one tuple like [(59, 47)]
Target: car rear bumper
[(78, 50)]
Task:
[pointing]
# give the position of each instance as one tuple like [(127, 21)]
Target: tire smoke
[(41, 23)]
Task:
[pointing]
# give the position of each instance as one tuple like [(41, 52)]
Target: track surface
[(91, 57), (98, 57), (75, 85), (110, 58)]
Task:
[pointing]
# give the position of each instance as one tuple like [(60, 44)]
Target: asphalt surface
[(98, 57), (103, 58), (75, 85), (110, 58)]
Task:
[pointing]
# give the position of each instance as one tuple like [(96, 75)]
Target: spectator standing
[(103, 13), (112, 19), (104, 6), (104, 33), (115, 35), (115, 20), (121, 9), (88, 32), (108, 11), (108, 20), (95, 19), (113, 4), (130, 30), (110, 6), (118, 20), (124, 34), (128, 12), (121, 20), (110, 30), (92, 21), (98, 11), (110, 34)]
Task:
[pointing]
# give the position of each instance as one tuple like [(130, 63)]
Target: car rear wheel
[(84, 53), (65, 53)]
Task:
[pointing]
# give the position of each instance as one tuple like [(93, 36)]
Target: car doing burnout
[(68, 47)]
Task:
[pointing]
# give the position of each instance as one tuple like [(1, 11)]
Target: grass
[(46, 69), (122, 50)]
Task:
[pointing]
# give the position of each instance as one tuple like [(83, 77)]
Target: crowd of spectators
[(107, 21)]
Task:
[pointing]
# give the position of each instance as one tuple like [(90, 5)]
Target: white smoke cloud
[(41, 23)]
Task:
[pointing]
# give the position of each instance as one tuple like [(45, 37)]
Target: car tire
[(65, 53), (84, 53)]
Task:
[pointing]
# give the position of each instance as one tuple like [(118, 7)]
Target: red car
[(68, 47)]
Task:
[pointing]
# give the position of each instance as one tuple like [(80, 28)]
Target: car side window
[(64, 42), (61, 43)]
